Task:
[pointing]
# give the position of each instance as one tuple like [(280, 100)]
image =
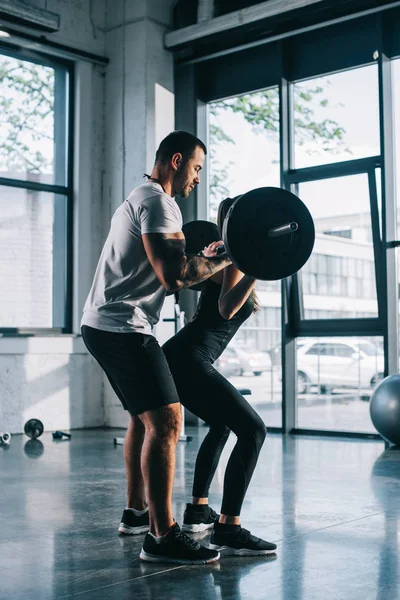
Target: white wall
[(54, 379)]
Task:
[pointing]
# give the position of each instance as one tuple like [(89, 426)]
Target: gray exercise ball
[(385, 409)]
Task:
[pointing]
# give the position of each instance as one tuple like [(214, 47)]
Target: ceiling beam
[(245, 16), (21, 13)]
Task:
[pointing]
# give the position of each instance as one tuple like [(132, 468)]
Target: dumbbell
[(58, 435), (33, 428), (5, 438)]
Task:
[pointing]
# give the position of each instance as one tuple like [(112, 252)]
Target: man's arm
[(175, 269)]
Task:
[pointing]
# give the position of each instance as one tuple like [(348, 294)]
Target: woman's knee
[(261, 432), (255, 432)]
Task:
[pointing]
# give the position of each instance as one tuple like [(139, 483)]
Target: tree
[(27, 122), (261, 111), (27, 116)]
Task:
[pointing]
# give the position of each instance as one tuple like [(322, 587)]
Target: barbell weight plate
[(245, 233), (199, 234), (34, 428)]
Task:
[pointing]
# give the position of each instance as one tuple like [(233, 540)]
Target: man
[(143, 258)]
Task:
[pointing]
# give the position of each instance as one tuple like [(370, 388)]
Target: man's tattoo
[(199, 268), (190, 269)]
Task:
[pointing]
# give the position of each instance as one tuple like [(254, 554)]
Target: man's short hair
[(178, 141)]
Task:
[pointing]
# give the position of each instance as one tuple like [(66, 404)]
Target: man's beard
[(181, 185)]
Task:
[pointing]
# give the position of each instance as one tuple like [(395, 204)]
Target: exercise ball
[(385, 409)]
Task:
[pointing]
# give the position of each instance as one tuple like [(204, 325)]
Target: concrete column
[(140, 73), (139, 112)]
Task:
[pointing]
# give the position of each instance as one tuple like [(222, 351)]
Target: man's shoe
[(132, 524), (198, 517), (238, 542), (176, 547)]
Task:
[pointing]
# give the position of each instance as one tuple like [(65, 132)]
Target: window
[(35, 194), (236, 125), (335, 380), (335, 271), (336, 117), (244, 154)]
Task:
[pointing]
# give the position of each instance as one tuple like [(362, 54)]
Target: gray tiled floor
[(331, 505)]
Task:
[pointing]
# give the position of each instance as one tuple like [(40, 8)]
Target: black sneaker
[(198, 517), (176, 547), (133, 525), (239, 542)]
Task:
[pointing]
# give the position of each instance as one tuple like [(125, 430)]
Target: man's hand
[(211, 250)]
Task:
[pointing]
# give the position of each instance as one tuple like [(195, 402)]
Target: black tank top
[(208, 333)]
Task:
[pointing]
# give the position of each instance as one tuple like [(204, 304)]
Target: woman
[(226, 301)]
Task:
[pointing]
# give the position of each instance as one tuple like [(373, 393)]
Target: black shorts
[(135, 366)]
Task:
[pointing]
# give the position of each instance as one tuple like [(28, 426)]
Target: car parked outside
[(249, 360), (336, 362), (253, 361), (228, 363)]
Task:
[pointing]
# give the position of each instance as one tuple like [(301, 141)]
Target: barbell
[(268, 234)]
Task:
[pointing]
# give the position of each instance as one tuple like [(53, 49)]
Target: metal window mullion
[(333, 170), (70, 96), (379, 263), (33, 185), (60, 209), (389, 210), (287, 336), (30, 331), (58, 53), (341, 327)]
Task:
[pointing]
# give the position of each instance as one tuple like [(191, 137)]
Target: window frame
[(283, 60), (62, 259)]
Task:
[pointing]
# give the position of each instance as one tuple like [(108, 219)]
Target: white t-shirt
[(126, 294)]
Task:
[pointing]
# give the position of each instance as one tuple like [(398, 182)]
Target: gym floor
[(331, 505)]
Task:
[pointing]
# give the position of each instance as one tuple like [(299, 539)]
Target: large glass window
[(336, 117), (335, 381), (35, 193), (244, 154), (333, 142), (340, 274), (336, 376)]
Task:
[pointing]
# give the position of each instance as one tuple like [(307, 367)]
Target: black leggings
[(207, 394)]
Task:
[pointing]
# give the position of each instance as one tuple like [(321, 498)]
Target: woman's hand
[(211, 250)]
